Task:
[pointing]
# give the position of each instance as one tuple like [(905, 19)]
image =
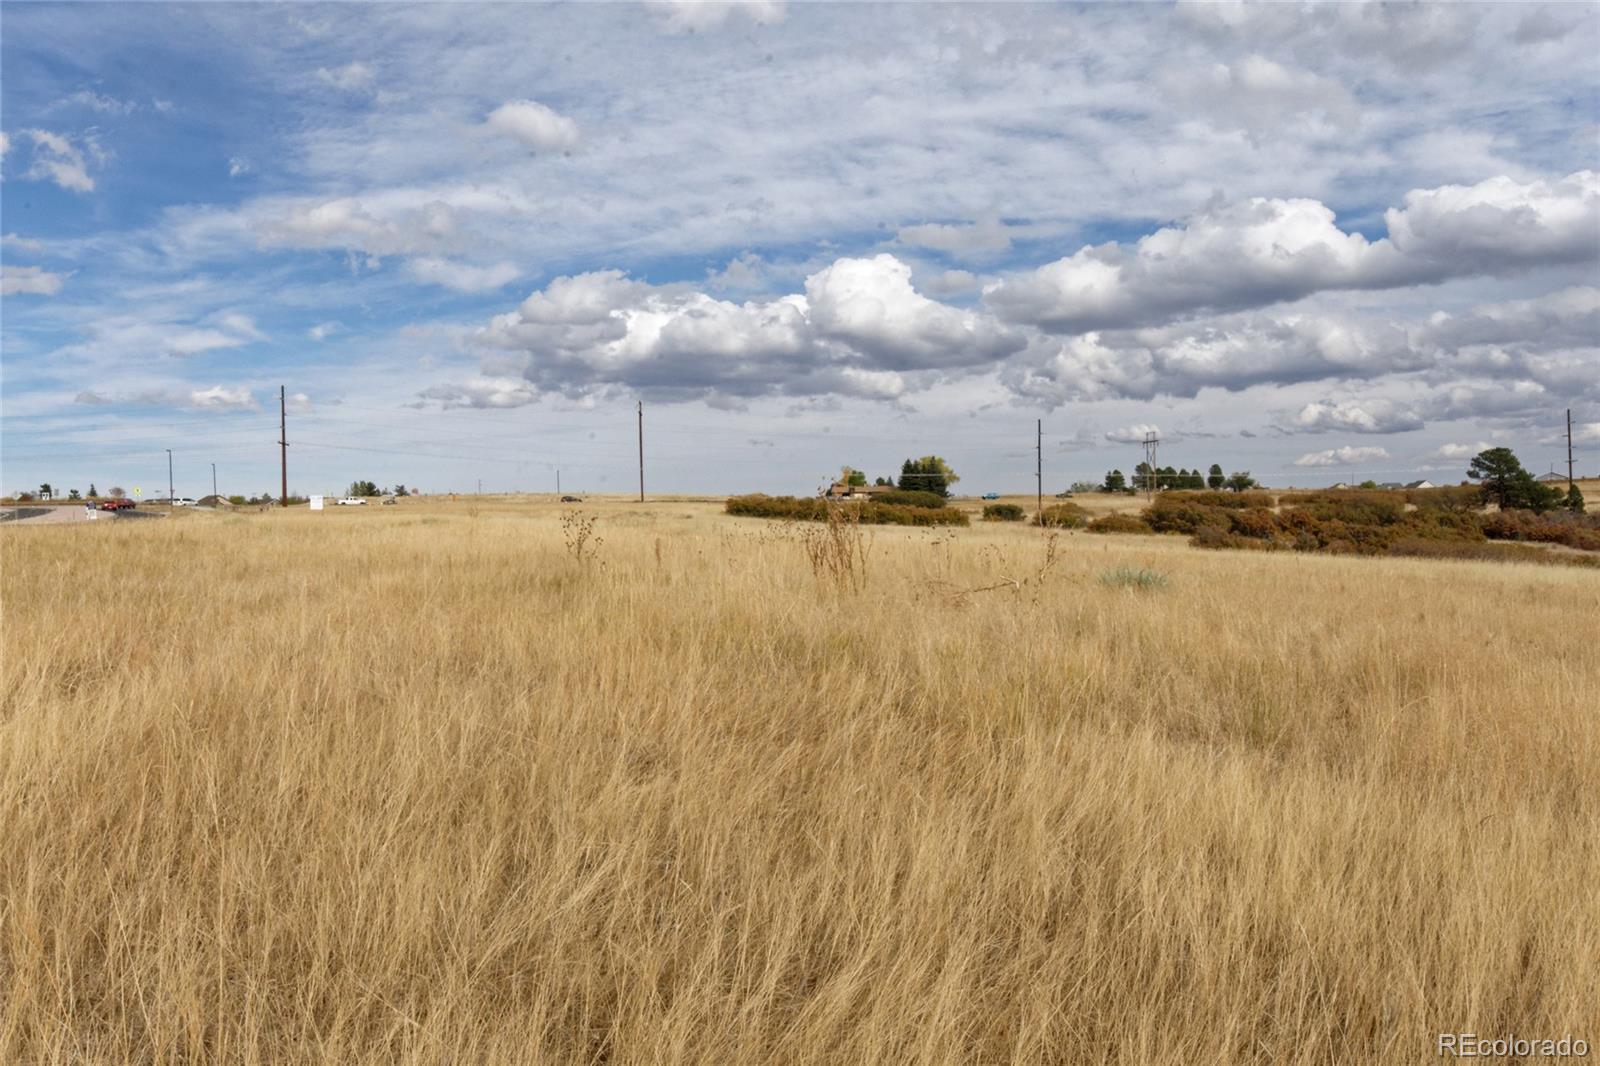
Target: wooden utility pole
[(283, 447), (170, 494), (213, 483), (558, 482), (1038, 469), (1569, 449), (641, 451)]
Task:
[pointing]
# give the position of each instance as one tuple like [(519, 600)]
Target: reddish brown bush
[(1453, 498), (1366, 508), (1495, 552), (1573, 530), (1229, 500), (1120, 523), (1218, 537), (1254, 522), (1173, 513)]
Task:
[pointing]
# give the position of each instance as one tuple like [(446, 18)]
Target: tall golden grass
[(415, 785)]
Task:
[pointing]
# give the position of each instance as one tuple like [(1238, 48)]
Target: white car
[(352, 501), (183, 501)]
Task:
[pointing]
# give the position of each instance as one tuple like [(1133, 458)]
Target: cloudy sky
[(1322, 243)]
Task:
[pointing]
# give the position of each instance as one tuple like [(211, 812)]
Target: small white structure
[(316, 503)]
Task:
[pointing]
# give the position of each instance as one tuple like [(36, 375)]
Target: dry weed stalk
[(578, 532), (1029, 583), (838, 549)]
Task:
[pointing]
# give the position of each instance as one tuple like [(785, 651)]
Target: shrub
[(1119, 523), (1219, 537), (759, 505), (1254, 522), (1448, 498), (1002, 512), (880, 514), (910, 498), (871, 512), (1464, 526), (1133, 577), (1572, 530), (1358, 508), (1494, 552), (1230, 500), (1064, 516), (1173, 513)]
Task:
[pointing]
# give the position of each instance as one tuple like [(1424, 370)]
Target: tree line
[(927, 474), (1146, 478)]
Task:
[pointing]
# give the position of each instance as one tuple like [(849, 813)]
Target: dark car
[(572, 499), (117, 505)]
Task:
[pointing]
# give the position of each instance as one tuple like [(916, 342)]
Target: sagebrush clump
[(1003, 512), (869, 512), (1119, 523), (1063, 516)]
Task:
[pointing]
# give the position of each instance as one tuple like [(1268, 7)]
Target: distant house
[(1392, 485), (1423, 484), (841, 491), (1552, 477), (1341, 485)]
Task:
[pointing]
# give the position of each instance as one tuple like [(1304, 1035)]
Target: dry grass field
[(414, 784)]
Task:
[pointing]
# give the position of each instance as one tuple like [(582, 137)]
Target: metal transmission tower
[(1151, 440)]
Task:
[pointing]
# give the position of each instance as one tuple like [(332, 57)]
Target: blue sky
[(1320, 243)]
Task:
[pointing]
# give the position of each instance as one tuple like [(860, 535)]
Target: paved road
[(38, 516)]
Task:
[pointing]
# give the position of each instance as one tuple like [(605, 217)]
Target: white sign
[(316, 503)]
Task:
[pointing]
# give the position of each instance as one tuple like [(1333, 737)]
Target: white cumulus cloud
[(29, 280), (486, 392), (694, 16), (1232, 256), (535, 125), (1359, 416), (1345, 456), (1134, 434), (1461, 451), (859, 328)]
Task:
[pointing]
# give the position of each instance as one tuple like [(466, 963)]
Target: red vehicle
[(117, 505)]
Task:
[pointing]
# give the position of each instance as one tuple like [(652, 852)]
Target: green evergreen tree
[(1216, 479), (1506, 484), (928, 474)]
